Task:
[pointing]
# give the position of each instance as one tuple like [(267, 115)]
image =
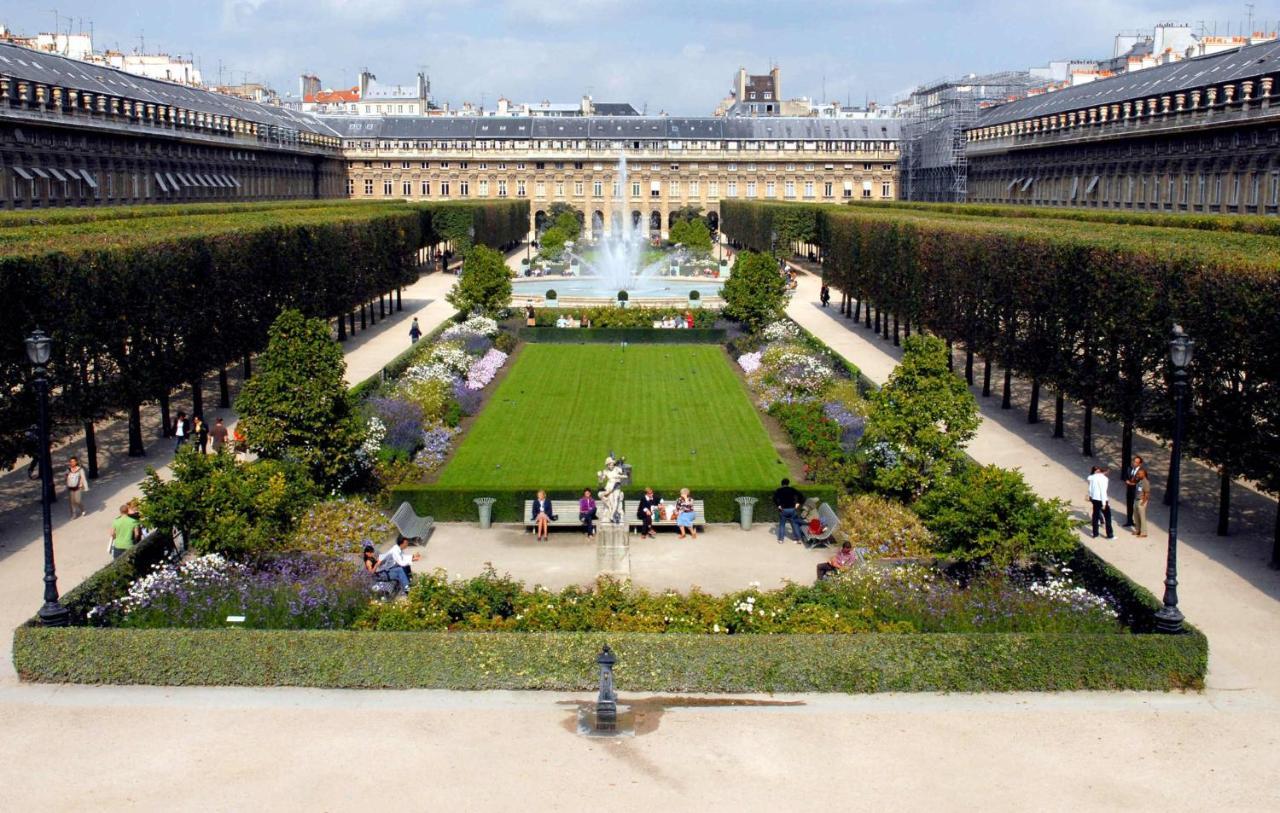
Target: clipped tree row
[(140, 306), (1085, 308)]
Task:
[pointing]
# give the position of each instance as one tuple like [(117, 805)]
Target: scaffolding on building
[(936, 116)]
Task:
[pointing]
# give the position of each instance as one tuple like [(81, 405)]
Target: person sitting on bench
[(542, 515), (843, 560), (587, 513), (644, 512), (370, 558), (396, 563)]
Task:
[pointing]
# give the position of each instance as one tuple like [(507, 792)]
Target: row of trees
[(1083, 308), (143, 305)]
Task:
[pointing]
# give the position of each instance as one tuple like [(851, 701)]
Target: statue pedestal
[(613, 550)]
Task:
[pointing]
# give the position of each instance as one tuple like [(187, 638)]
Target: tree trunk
[(866, 312), (248, 368), (363, 323), (906, 328), (1059, 405), (166, 426), (986, 376), (877, 321), (1275, 542), (968, 365), (91, 450), (400, 298), (857, 310), (1006, 401), (342, 328), (951, 356), (1126, 444), (351, 317), (136, 449), (382, 306), (897, 341), (1224, 501), (1086, 445), (373, 317), (1033, 411), (197, 397), (224, 389), (885, 325)]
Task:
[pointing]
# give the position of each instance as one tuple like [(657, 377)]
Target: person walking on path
[(1098, 497), (126, 532), (181, 428), (77, 485), (1142, 487), (824, 296), (218, 434), (1131, 487), (415, 332), (788, 501), (200, 434)]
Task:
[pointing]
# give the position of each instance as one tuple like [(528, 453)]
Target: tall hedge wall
[(139, 304), (1083, 307)]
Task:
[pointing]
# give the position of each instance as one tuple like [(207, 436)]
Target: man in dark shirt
[(788, 502), (644, 512), (1131, 487)]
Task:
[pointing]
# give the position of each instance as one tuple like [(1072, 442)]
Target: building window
[(386, 187), (826, 189), (559, 189), (751, 189), (540, 189), (577, 189), (444, 164), (808, 189), (404, 164), (502, 189), (520, 191), (462, 165), (520, 166), (426, 189), (674, 189), (693, 189), (386, 165), (539, 165), (426, 164), (635, 189), (884, 190), (464, 189), (368, 186), (866, 167), (771, 189), (789, 189), (848, 189), (351, 187), (732, 189), (444, 189), (713, 189), (484, 189), (406, 188), (597, 189)]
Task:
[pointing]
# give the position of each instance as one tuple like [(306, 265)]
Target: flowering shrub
[(781, 331), (291, 592), (474, 326), (468, 399), (477, 346), (883, 528), (911, 598), (851, 426), (428, 371), (750, 362), (340, 527), (796, 368), (375, 432), (432, 397), (435, 447), (483, 371), (402, 423), (451, 355)]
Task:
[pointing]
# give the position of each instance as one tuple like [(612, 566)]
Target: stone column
[(613, 550)]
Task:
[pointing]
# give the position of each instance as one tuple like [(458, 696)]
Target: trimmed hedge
[(646, 662), (451, 504), (631, 335)]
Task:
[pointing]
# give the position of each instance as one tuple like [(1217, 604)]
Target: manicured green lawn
[(679, 415)]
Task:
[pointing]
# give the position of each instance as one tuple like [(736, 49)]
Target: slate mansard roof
[(1248, 62), (622, 128)]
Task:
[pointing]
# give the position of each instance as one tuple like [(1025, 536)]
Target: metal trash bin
[(746, 511), (485, 504)]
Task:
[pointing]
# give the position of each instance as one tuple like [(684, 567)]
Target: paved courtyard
[(77, 747)]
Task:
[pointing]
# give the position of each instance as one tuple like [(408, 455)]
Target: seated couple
[(396, 565), (685, 321), (652, 507), (572, 321), (542, 515)]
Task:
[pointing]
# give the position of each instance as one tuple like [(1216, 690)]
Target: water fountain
[(617, 261)]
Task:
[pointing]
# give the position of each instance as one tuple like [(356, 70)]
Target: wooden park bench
[(632, 506), (410, 525)]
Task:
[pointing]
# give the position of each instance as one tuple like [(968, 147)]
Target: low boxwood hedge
[(453, 504), (646, 662), (631, 335)]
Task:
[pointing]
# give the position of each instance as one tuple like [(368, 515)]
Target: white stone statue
[(610, 498)]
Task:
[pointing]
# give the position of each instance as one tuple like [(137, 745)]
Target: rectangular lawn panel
[(678, 414)]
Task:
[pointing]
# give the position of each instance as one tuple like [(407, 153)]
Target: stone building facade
[(671, 162), (76, 134), (1201, 135)]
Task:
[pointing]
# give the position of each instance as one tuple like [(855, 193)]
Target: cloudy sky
[(676, 56)]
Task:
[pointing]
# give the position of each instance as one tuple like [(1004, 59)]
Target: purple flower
[(851, 425), (403, 420)]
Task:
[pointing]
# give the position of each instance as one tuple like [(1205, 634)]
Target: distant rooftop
[(614, 127)]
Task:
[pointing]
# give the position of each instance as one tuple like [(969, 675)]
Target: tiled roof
[(331, 96), (614, 127), (1228, 66)]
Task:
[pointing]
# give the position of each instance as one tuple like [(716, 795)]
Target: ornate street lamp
[(39, 349), (1181, 349)]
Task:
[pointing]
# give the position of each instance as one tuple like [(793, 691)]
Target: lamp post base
[(53, 614), (1169, 620)]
